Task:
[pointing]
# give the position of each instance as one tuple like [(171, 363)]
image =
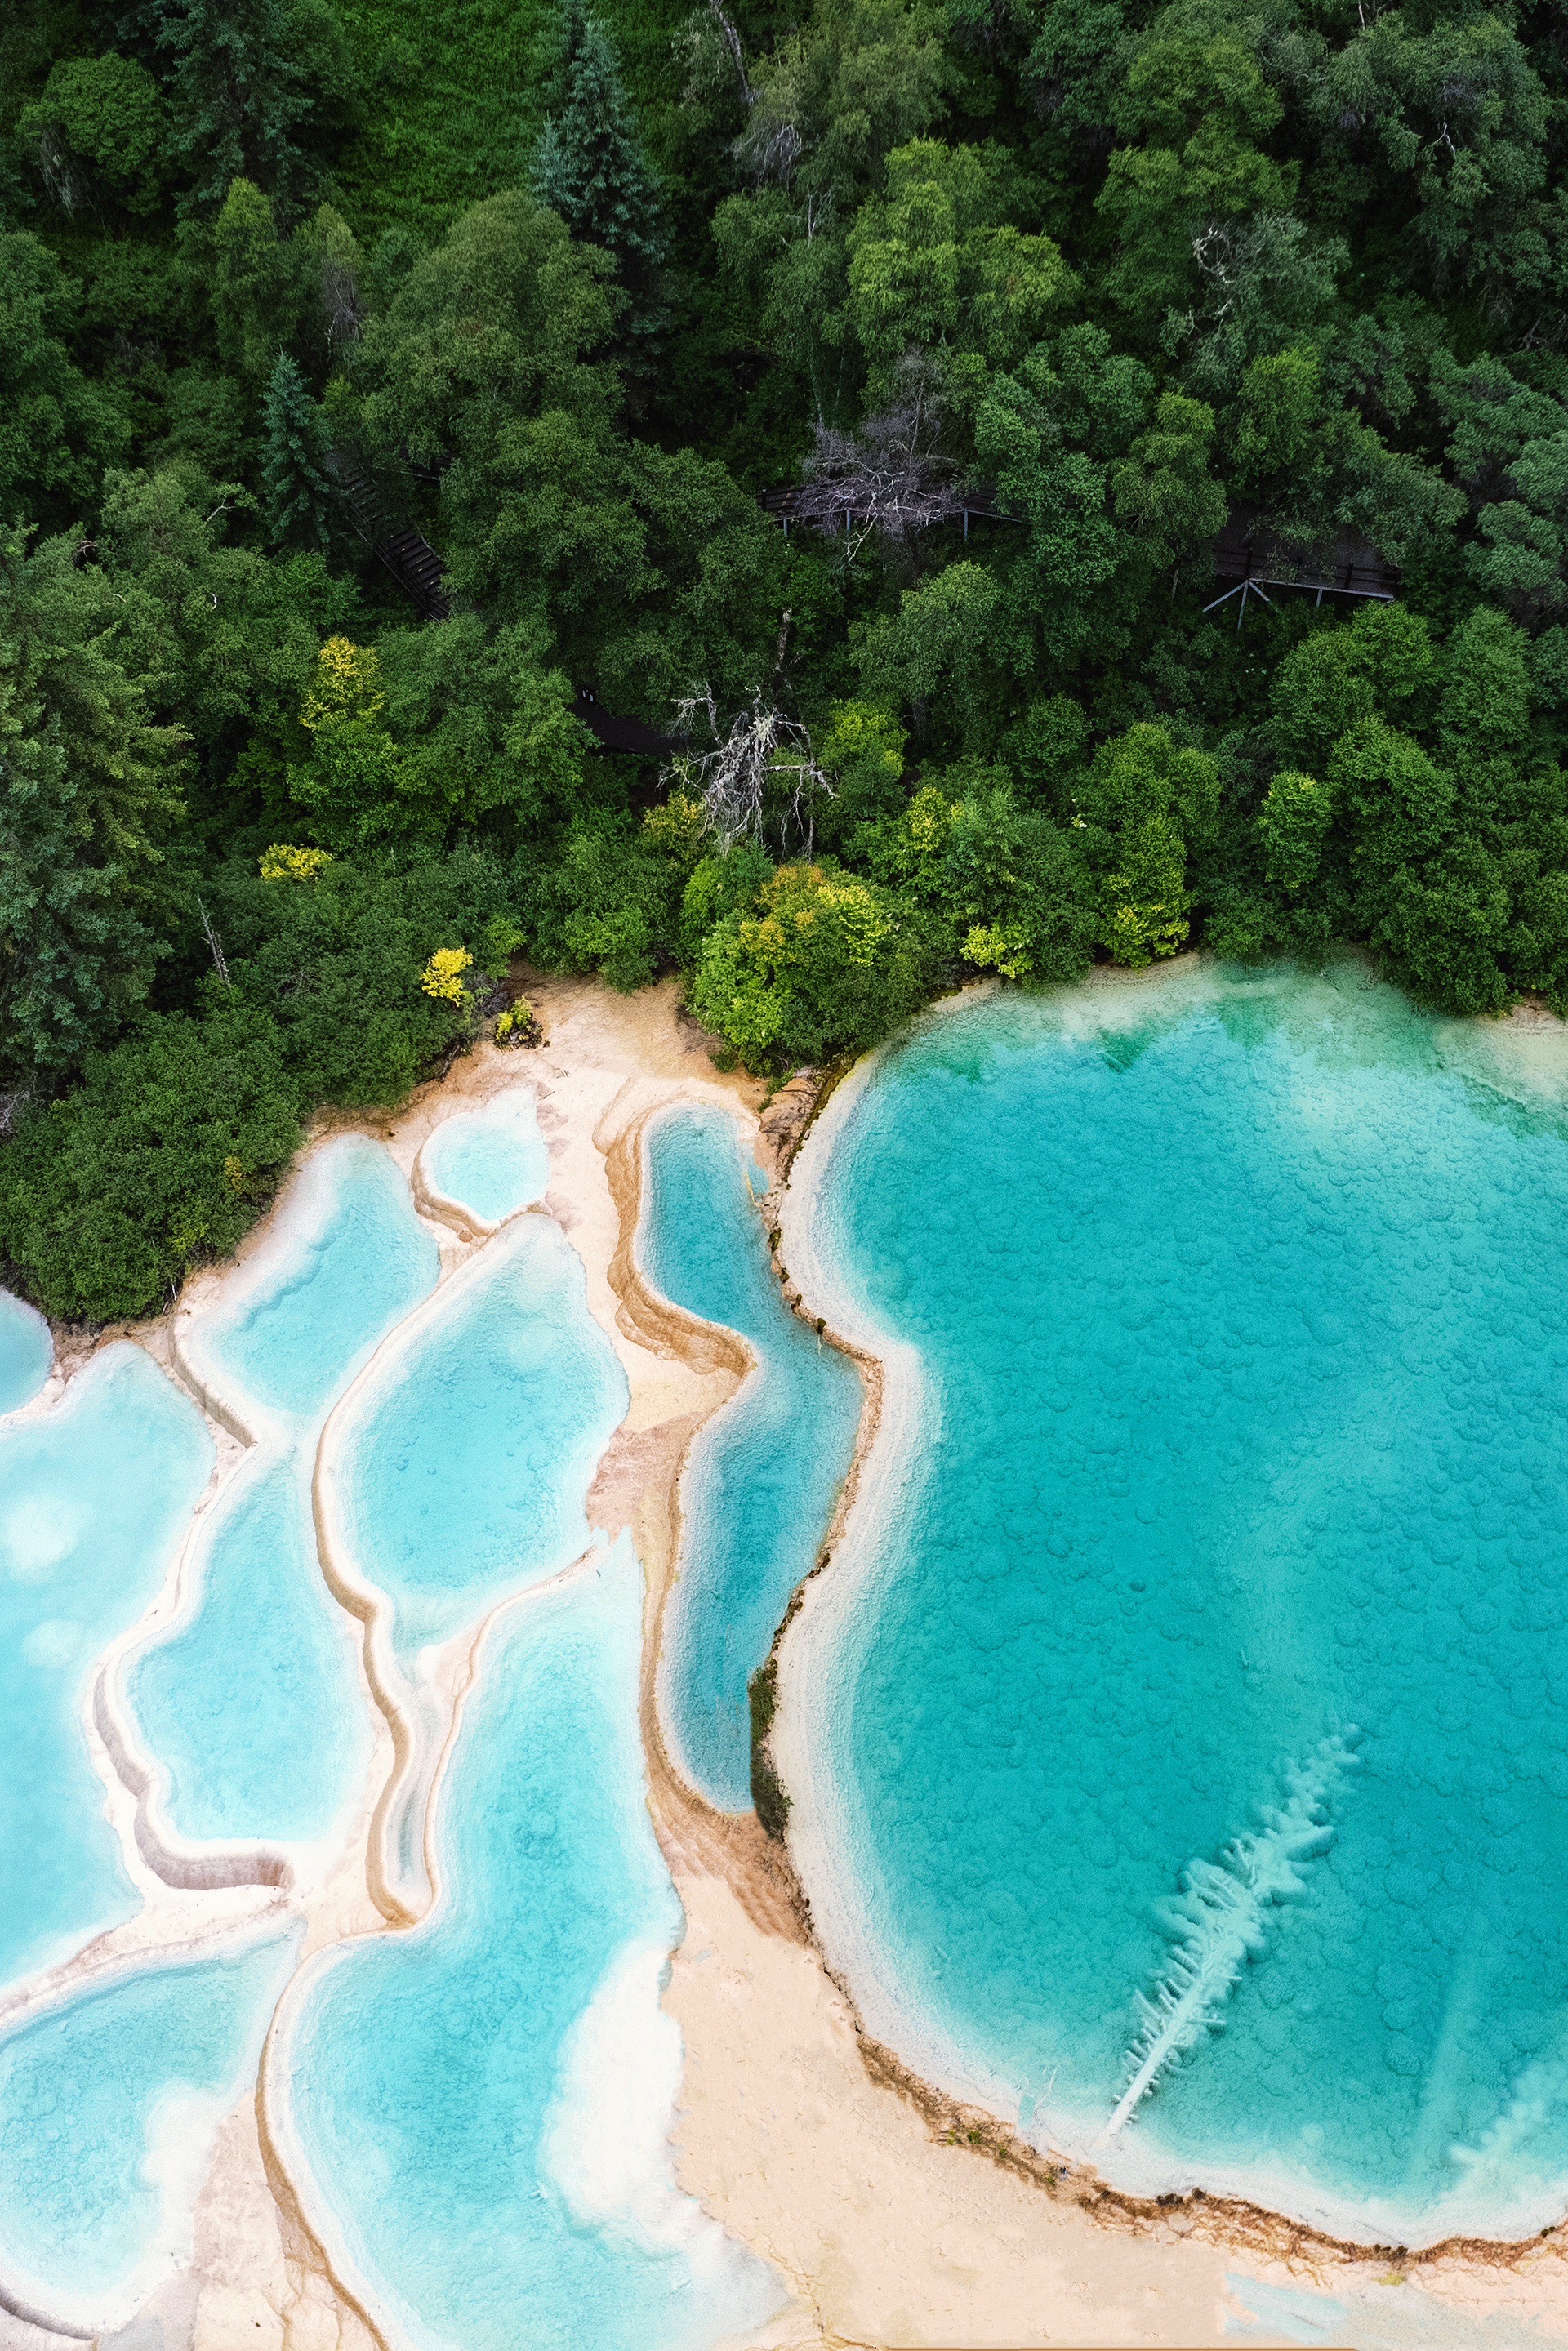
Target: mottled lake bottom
[(1198, 1653), (110, 2103)]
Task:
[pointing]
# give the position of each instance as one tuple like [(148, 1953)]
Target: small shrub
[(768, 1793), (284, 862), (442, 975)]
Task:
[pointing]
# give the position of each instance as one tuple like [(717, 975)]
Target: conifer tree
[(237, 95), (298, 502), (591, 167)]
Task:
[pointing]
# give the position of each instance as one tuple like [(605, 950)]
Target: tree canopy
[(855, 401)]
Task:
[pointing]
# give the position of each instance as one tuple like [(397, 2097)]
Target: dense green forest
[(1025, 301)]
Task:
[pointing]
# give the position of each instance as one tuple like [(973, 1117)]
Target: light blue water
[(357, 1258), (26, 1352), (468, 1472), (1244, 1310), (108, 2107), (493, 1161), (94, 1498), (482, 2102), (254, 1708), (760, 1489)]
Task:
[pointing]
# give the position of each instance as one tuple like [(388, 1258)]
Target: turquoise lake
[(273, 1752), (26, 1352), (355, 1259), (481, 2103), (1178, 1739), (485, 2099), (760, 1488), (1228, 1318)]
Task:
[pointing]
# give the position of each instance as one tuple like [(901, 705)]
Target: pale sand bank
[(794, 2132)]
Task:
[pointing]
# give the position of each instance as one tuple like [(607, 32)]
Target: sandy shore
[(896, 2217)]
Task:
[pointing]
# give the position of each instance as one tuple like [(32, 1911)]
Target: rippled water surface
[(1238, 1312), (759, 1488)]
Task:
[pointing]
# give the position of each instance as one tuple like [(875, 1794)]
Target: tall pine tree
[(294, 484), (591, 167), (239, 98)]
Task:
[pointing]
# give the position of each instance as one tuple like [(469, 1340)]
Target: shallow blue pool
[(351, 1258), (110, 2106), (94, 1497), (759, 1488), (482, 2103), (254, 1708), (1241, 1312), (470, 1459), (493, 1161)]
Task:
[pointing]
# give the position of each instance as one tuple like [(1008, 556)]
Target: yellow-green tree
[(822, 961), (352, 787)]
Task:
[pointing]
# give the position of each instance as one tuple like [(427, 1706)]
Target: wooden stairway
[(410, 558)]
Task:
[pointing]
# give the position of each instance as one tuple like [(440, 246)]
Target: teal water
[(26, 1352), (95, 1495), (352, 1259), (493, 1161), (110, 2105), (1240, 1310), (469, 1463), (759, 1488), (254, 1708), (481, 2103)]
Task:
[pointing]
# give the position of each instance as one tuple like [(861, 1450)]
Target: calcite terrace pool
[(1161, 1486)]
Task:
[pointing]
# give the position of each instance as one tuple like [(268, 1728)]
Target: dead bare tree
[(760, 764), (62, 173), (343, 308), (773, 141), (219, 961), (731, 40), (13, 1104), (890, 478), (770, 146)]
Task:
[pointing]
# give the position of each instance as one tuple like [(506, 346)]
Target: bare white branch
[(890, 478), (762, 758), (731, 39)]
